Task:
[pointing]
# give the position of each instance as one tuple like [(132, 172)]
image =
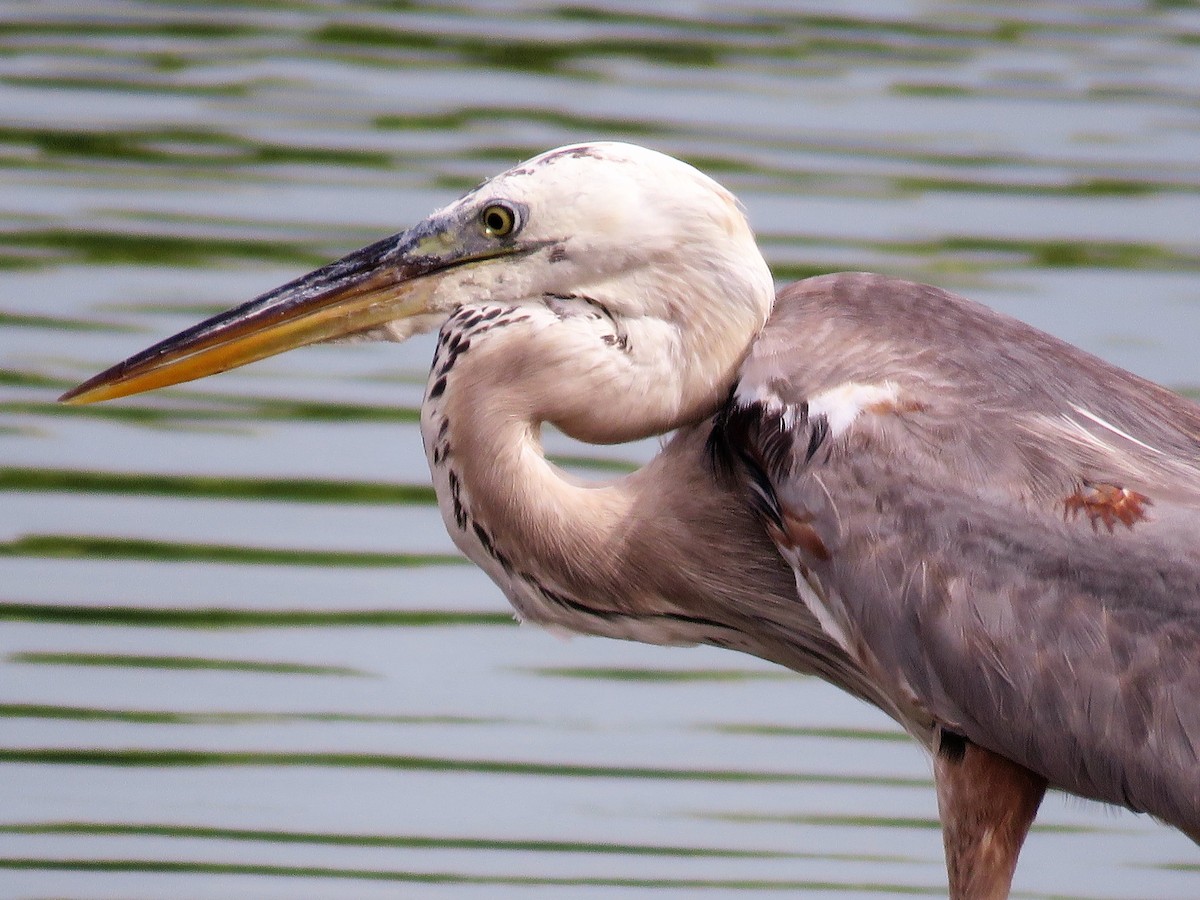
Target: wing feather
[(938, 535)]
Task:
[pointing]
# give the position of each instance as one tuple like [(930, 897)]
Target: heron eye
[(499, 220)]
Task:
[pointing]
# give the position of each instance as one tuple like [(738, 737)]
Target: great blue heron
[(988, 533)]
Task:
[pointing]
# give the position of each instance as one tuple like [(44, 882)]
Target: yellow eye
[(498, 220)]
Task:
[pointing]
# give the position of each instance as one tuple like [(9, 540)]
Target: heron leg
[(987, 804)]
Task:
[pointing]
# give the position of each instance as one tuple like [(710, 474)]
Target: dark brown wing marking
[(897, 407), (799, 533), (760, 441)]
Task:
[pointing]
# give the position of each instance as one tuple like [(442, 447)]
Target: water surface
[(240, 657)]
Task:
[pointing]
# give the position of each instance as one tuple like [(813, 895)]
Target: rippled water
[(239, 656)]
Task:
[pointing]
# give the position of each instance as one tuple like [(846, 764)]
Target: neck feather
[(567, 554), (668, 554)]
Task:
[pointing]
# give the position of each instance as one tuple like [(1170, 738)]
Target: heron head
[(649, 239)]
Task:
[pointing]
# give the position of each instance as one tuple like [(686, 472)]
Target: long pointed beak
[(377, 284)]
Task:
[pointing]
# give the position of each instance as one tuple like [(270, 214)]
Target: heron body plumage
[(989, 534), (950, 514)]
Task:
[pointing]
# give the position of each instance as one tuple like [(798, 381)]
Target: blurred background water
[(238, 655)]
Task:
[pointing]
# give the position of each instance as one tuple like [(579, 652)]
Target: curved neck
[(668, 554), (623, 549), (535, 529)]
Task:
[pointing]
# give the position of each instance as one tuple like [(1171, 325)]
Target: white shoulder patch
[(745, 394), (842, 405)]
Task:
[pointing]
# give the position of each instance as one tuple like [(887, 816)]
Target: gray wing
[(1001, 530)]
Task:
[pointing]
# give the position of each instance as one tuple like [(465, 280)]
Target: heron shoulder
[(986, 378), (1004, 505)]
